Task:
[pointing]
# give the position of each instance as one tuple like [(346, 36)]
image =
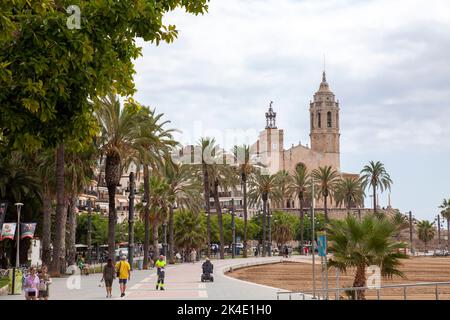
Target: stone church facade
[(324, 149)]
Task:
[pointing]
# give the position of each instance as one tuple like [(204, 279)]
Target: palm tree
[(184, 193), (359, 244), (283, 181), (445, 206), (153, 145), (120, 131), (401, 223), (245, 167), (206, 145), (376, 177), (189, 231), (159, 205), (79, 174), (426, 231), (299, 186), (221, 176), (349, 192), (282, 229), (46, 170), (263, 188), (327, 179)]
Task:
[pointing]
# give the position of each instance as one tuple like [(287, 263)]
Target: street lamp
[(19, 208), (411, 217), (438, 220), (313, 249), (233, 229), (269, 236), (89, 230)]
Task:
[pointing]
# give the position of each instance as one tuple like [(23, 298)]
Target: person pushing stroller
[(207, 268)]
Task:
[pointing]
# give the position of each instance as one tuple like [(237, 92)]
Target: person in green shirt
[(124, 273), (160, 265)]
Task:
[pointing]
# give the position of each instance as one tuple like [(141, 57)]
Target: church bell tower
[(324, 113)]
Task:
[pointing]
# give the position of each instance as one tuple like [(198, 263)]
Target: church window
[(329, 119), (319, 120)]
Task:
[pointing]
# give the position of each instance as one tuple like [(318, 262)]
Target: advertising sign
[(8, 231), (16, 279), (322, 244), (27, 230)]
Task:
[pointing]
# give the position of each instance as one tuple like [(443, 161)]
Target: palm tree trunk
[(146, 216), (325, 206), (155, 239), (60, 212), (244, 185), (112, 177), (71, 226), (47, 229), (207, 206), (264, 228), (63, 251), (171, 235), (360, 281), (302, 223), (374, 188), (219, 219), (448, 233)]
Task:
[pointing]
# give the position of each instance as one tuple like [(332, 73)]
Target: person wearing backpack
[(123, 273)]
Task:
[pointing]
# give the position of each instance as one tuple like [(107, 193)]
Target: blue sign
[(322, 245)]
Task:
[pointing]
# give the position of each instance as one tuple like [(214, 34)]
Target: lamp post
[(89, 230), (131, 222), (313, 249), (261, 213), (438, 220), (269, 230), (411, 233), (146, 232), (164, 226), (19, 208)]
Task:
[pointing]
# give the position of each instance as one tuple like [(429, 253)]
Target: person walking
[(160, 271), (31, 285), (108, 277), (123, 273), (44, 283), (193, 255)]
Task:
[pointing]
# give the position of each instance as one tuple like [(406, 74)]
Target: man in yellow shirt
[(160, 265), (124, 273)]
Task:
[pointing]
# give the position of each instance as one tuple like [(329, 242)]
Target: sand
[(295, 276)]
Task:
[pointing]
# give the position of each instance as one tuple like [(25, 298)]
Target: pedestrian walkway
[(182, 282)]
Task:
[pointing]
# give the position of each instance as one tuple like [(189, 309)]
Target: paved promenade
[(182, 282)]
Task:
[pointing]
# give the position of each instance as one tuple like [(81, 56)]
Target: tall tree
[(349, 192), (326, 179), (359, 244), (445, 206), (426, 232), (263, 188), (246, 165), (184, 193), (376, 177), (120, 132), (401, 222), (299, 187), (284, 179)]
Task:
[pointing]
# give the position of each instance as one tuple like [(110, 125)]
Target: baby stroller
[(207, 274)]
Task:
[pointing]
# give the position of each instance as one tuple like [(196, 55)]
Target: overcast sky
[(387, 61)]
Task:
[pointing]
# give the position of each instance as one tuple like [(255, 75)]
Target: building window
[(329, 119), (319, 120)]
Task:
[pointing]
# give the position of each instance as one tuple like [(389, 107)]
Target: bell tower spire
[(271, 118)]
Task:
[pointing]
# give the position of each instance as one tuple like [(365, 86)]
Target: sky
[(386, 61)]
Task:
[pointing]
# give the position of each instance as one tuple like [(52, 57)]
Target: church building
[(324, 149)]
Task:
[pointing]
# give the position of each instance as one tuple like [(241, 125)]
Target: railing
[(324, 294)]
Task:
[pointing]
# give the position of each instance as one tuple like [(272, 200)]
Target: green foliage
[(48, 71), (190, 230), (356, 243)]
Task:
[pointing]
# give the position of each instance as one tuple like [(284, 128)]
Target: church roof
[(324, 86)]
